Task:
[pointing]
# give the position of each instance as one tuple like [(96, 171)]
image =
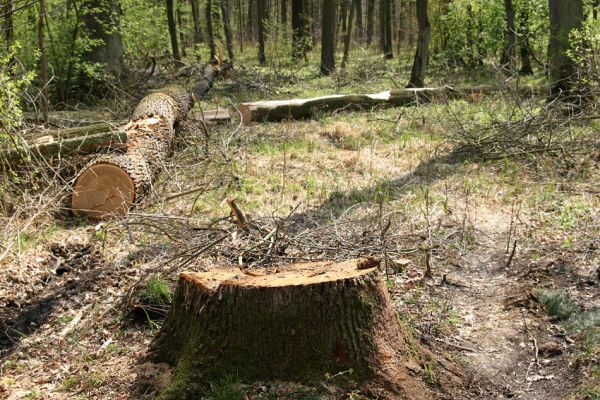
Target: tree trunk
[(180, 25), (419, 68), (111, 183), (8, 27), (173, 31), (301, 324), (343, 18), (525, 44), (43, 61), (227, 28), (507, 60), (348, 37), (209, 30), (300, 29), (370, 16), (283, 14), (328, 37), (385, 28), (565, 16), (262, 27), (359, 19), (195, 5), (101, 19)]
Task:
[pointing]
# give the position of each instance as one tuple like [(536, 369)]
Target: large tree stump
[(302, 324)]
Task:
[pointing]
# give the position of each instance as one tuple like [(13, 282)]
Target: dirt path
[(504, 328)]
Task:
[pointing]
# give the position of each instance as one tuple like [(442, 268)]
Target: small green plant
[(558, 303), (157, 291), (227, 387), (429, 374), (68, 383)]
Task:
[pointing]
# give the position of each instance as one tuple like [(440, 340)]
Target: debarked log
[(304, 324), (275, 110)]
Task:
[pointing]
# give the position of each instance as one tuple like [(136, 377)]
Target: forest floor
[(508, 242)]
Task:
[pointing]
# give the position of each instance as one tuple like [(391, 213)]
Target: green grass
[(157, 291), (228, 387)]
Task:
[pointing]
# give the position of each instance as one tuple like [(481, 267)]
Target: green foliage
[(227, 387), (157, 291), (12, 83)]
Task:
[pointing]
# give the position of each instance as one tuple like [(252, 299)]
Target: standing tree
[(359, 18), (195, 5), (328, 37), (300, 29), (525, 44), (370, 14), (507, 60), (8, 27), (565, 16), (43, 61), (262, 28), (227, 28), (385, 28), (209, 31), (419, 67), (348, 35), (173, 31), (101, 19), (283, 14)]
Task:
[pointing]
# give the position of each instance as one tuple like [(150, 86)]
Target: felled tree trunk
[(112, 182), (303, 324), (275, 110)]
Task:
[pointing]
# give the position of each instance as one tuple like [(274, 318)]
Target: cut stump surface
[(302, 324)]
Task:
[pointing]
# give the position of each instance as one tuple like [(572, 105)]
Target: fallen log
[(304, 324), (275, 110), (111, 183)]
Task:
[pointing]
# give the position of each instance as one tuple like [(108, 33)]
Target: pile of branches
[(513, 127)]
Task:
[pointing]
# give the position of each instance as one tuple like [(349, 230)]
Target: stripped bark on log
[(302, 108)]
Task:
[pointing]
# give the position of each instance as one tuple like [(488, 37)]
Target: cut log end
[(103, 190), (300, 324)]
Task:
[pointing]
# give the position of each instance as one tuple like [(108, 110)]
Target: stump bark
[(302, 324)]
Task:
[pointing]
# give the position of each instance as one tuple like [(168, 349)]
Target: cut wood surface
[(275, 110), (300, 324)]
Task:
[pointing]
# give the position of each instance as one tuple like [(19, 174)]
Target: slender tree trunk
[(8, 23), (507, 60), (328, 37), (525, 45), (180, 26), (240, 25), (262, 27), (370, 21), (209, 30), (342, 23), (385, 19), (250, 23), (283, 13), (348, 37), (43, 61), (565, 16), (173, 31), (300, 29), (227, 28), (195, 5), (419, 68), (359, 19)]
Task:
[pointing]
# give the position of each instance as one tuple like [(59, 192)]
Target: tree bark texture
[(195, 6), (299, 325), (370, 20), (209, 30), (262, 28), (359, 19), (507, 60), (173, 30), (419, 68), (328, 37), (385, 28), (300, 29), (525, 43), (565, 16), (227, 28), (348, 37)]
